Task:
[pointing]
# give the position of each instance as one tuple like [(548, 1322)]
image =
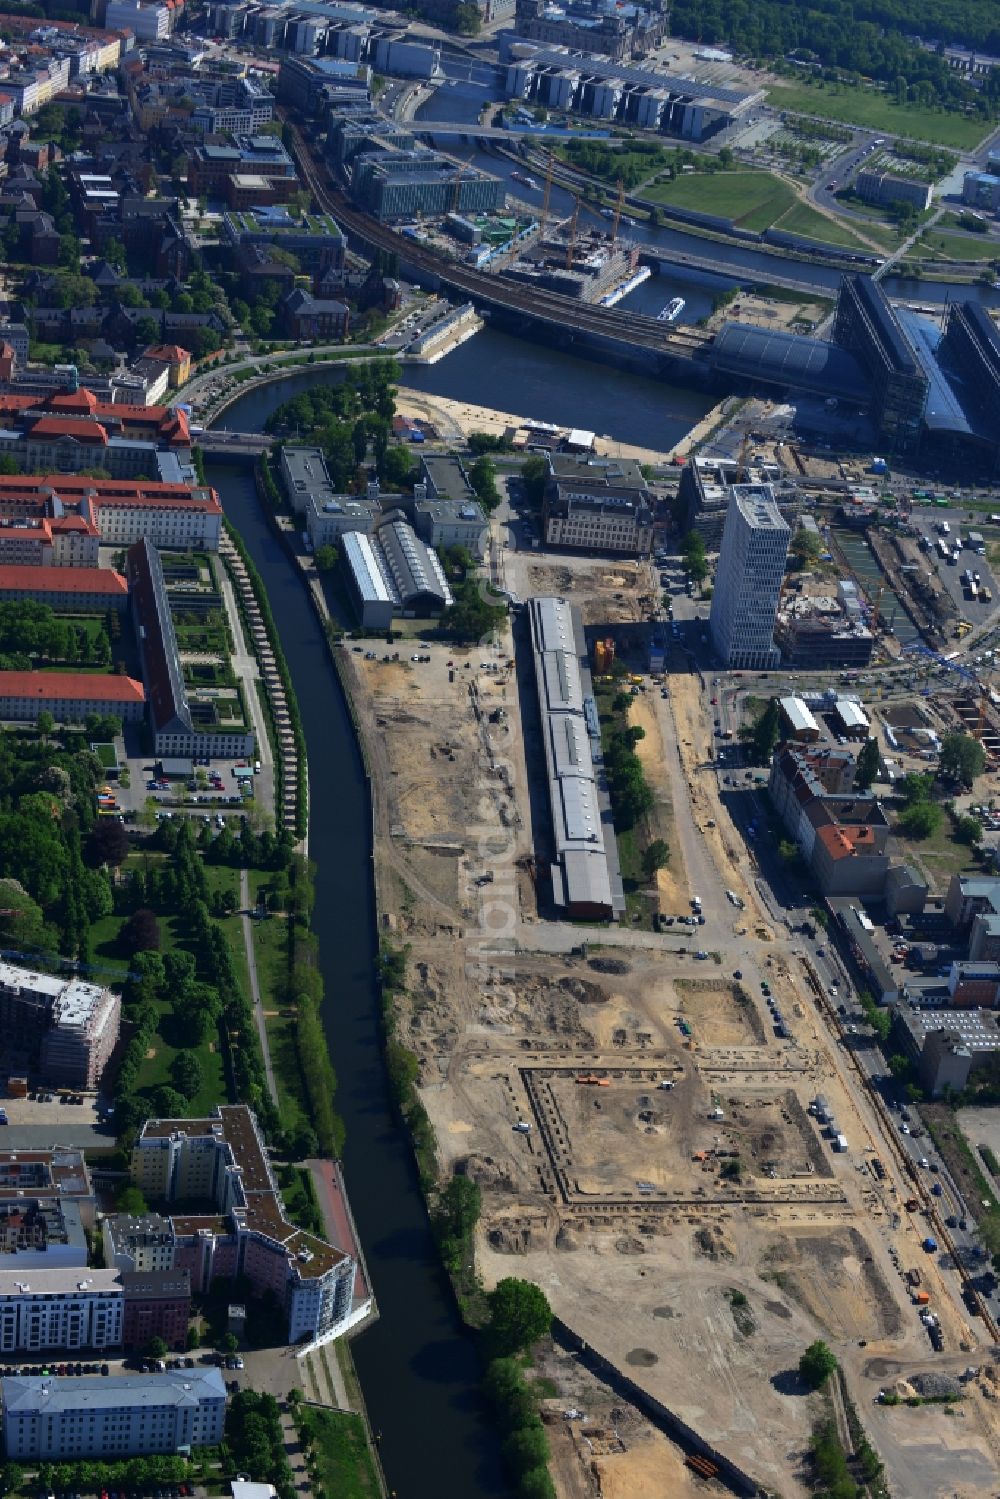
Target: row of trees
[(255, 1441), (631, 794), (31, 633), (863, 39)]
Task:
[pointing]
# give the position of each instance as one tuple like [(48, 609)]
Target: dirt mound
[(583, 990), (485, 1172), (507, 1240), (933, 1384), (609, 965), (641, 1358)]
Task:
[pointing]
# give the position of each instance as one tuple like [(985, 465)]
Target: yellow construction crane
[(571, 246), (619, 206), (546, 197)]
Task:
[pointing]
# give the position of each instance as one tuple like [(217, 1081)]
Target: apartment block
[(66, 1029), (223, 1160), (61, 1310)]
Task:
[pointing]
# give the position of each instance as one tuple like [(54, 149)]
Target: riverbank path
[(258, 1008)]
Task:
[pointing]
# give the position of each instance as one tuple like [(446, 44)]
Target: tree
[(193, 1339), (914, 788), (763, 735), (108, 843), (962, 758), (185, 1073), (327, 558), (968, 829), (536, 1484), (130, 1200), (867, 768), (526, 1448), (654, 856), (921, 820), (156, 1348), (817, 1364), (228, 1343), (397, 466), (45, 724), (141, 933), (805, 548), (519, 1315), (693, 553)]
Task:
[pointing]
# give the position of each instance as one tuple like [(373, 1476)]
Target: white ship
[(672, 311)]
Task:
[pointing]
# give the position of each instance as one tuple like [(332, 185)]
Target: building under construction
[(62, 1029), (587, 266)]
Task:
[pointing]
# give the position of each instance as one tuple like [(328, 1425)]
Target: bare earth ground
[(640, 1210)]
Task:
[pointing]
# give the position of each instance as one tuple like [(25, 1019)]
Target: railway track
[(530, 301)]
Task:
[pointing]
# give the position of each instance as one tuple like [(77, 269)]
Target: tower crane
[(619, 206), (571, 246), (543, 217)]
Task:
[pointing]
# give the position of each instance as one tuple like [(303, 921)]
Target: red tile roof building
[(69, 696), (73, 588), (116, 512), (72, 430)]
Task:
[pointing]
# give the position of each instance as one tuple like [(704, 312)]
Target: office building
[(147, 22), (417, 183), (597, 505), (627, 31), (705, 487), (981, 190), (315, 239), (306, 83), (65, 1028), (679, 105), (883, 189), (970, 352), (222, 1160), (446, 510), (584, 870), (947, 1050), (748, 579), (71, 430), (180, 727), (62, 1310), (867, 326), (123, 1415)]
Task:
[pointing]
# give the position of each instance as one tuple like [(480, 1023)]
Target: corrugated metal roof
[(373, 584)]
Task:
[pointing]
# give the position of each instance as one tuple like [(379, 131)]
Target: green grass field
[(957, 247), (343, 1461), (868, 107), (802, 218), (751, 199)]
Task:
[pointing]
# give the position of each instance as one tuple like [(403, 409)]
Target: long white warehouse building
[(581, 877)]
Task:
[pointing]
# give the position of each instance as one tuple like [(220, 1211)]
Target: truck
[(913, 1277), (944, 529), (840, 1143)]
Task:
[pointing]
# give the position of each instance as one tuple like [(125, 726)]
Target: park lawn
[(751, 199), (802, 218), (155, 1070), (344, 1463), (958, 246), (871, 108), (941, 854)]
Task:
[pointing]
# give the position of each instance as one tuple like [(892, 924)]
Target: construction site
[(644, 1136)]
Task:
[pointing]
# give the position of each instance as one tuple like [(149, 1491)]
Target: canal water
[(864, 565), (418, 1367)]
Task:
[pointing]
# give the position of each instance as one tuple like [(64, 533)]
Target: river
[(418, 1368), (461, 101), (523, 377)]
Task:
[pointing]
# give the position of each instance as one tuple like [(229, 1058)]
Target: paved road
[(258, 1007)]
